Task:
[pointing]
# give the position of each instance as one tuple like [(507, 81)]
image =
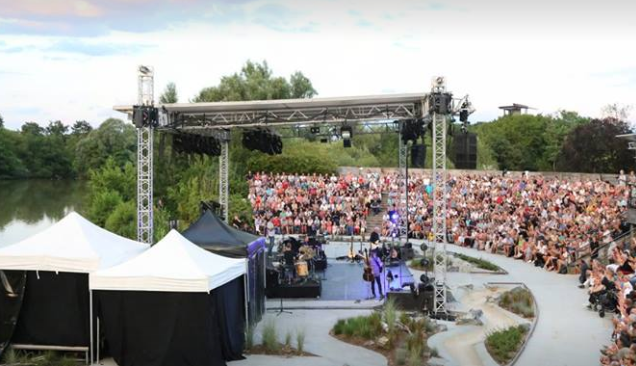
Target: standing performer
[(376, 267), (375, 238)]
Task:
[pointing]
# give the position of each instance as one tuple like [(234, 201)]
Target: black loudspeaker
[(418, 156), (346, 143), (408, 301), (465, 151), (406, 253)]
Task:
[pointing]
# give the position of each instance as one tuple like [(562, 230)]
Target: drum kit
[(303, 266)]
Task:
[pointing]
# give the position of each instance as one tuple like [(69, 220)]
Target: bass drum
[(12, 284), (301, 269)]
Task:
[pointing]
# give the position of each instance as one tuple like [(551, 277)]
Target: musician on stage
[(375, 238), (376, 266), (290, 259)]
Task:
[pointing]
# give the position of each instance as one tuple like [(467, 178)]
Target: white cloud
[(547, 56)]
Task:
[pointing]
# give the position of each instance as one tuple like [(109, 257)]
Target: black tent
[(175, 305), (213, 234)]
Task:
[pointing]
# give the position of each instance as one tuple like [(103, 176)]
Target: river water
[(29, 206)]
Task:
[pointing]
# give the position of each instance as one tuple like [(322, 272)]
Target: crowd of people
[(546, 221), (611, 289), (313, 204)]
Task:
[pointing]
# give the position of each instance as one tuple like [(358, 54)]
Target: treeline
[(105, 156), (58, 151), (566, 142)]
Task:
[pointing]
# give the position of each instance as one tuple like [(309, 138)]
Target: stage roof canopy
[(221, 115)]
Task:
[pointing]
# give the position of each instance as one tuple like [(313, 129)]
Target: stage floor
[(343, 281)]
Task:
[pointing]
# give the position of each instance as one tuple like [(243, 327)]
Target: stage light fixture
[(346, 132), (315, 130)]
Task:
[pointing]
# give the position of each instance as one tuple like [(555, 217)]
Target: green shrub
[(406, 320), (415, 356), (270, 337), (503, 345), (249, 337), (401, 356), (288, 338), (367, 327), (390, 315), (300, 340), (479, 263), (339, 327), (519, 301)]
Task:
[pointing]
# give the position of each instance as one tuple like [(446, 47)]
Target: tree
[(1, 122), (56, 128), (169, 94), (32, 128), (81, 128), (616, 111), (114, 138), (256, 82), (594, 148)]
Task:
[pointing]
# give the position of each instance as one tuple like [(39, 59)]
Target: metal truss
[(439, 203), (224, 115), (145, 230), (403, 184), (439, 209), (224, 173)]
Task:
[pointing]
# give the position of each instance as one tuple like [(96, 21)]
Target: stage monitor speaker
[(408, 301), (406, 253), (418, 156), (465, 151)]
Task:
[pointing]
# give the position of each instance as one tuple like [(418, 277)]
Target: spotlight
[(394, 216), (315, 130), (346, 132)]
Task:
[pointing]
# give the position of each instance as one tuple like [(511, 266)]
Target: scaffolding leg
[(439, 210), (144, 185), (224, 170)]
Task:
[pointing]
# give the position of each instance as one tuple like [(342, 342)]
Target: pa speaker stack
[(465, 151)]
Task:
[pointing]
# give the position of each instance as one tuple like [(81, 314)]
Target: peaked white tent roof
[(73, 244), (172, 265)]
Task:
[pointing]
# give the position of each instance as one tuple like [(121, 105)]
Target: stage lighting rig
[(145, 116), (263, 140), (346, 132)]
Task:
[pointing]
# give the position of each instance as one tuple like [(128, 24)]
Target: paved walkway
[(566, 334), (316, 324)]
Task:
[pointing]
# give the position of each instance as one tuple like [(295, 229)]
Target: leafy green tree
[(169, 95), (122, 220), (594, 148), (10, 164), (1, 122), (81, 128), (256, 82), (56, 128), (114, 138)]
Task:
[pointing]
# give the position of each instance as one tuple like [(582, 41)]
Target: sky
[(74, 60)]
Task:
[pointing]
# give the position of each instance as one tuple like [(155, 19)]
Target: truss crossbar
[(225, 115)]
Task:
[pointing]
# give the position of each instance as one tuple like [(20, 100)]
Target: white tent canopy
[(172, 265), (73, 244)]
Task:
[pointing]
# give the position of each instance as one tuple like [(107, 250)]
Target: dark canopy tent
[(213, 234), (174, 305), (55, 310)]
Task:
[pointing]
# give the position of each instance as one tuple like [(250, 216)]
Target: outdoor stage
[(342, 281)]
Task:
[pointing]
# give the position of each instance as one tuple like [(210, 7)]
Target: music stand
[(280, 310)]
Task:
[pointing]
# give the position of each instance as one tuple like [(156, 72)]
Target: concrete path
[(316, 324), (566, 334)]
